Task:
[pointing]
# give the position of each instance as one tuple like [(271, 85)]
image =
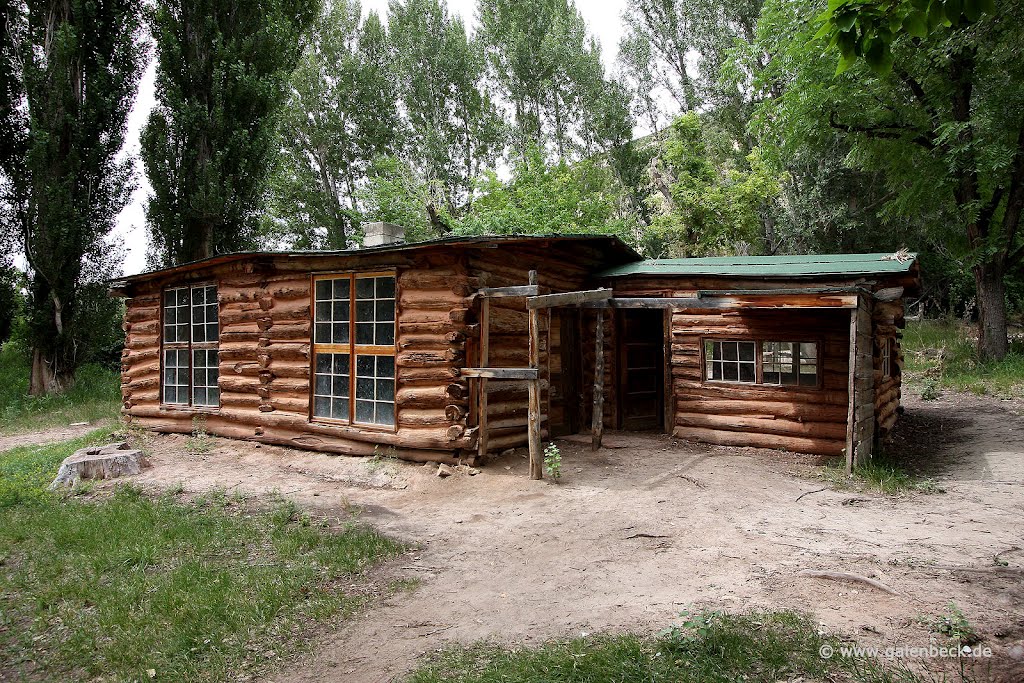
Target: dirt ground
[(648, 526), (45, 436)]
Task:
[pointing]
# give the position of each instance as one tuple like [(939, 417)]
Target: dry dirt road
[(648, 526)]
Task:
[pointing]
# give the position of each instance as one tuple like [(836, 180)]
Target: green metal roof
[(771, 266)]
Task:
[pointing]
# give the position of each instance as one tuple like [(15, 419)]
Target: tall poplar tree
[(210, 142), (68, 72), (341, 114), (455, 130)]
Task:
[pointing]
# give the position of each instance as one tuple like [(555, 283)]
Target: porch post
[(597, 419)]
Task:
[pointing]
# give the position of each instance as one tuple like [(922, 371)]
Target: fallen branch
[(846, 576), (807, 493), (646, 536)]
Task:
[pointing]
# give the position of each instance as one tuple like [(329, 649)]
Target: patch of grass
[(196, 591), (881, 475), (95, 395), (708, 647), (942, 353)]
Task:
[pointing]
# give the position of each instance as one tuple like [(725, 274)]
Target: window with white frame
[(789, 363), (779, 363), (354, 319), (190, 337)]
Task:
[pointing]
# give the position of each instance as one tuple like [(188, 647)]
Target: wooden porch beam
[(568, 298), (500, 373), (503, 292), (790, 301)]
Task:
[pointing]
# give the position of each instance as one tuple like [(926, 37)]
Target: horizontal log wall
[(265, 320), (558, 270), (805, 420), (888, 320)]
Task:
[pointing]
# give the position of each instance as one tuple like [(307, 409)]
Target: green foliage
[(549, 71), (883, 474), (954, 625), (941, 353), (708, 647), (867, 30), (196, 591), (340, 115), (95, 395), (544, 198), (553, 461), (942, 130), (708, 198), (209, 143), (70, 71), (199, 442), (11, 301), (455, 129)]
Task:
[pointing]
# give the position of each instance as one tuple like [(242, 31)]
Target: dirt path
[(649, 526), (44, 436)]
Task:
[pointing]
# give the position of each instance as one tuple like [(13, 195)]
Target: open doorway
[(641, 364)]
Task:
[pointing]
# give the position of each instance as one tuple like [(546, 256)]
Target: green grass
[(705, 648), (95, 395), (942, 353), (881, 475), (200, 590)]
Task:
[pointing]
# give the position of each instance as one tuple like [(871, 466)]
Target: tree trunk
[(43, 378), (991, 287)]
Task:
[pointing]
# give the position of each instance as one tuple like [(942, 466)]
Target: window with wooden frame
[(778, 363), (191, 331), (354, 348)]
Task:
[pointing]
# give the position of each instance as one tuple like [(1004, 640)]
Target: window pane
[(323, 333), (364, 388), (386, 389), (323, 290), (729, 351), (339, 386), (746, 372), (341, 288), (747, 351), (385, 366), (322, 406), (341, 310), (323, 385), (339, 409), (341, 364), (365, 366), (364, 333), (323, 311), (385, 413), (730, 371), (385, 288), (364, 288), (385, 334), (364, 411), (364, 311)]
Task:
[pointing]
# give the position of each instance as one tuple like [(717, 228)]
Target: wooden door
[(641, 364)]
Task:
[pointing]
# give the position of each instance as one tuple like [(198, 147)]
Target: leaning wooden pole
[(597, 420), (536, 458)]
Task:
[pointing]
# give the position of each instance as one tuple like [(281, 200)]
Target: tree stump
[(100, 462)]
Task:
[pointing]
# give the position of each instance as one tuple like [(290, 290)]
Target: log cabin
[(455, 349)]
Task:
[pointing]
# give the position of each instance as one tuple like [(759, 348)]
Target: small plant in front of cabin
[(553, 461), (954, 625), (930, 392), (199, 442)]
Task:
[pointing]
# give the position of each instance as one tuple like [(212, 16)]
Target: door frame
[(666, 407)]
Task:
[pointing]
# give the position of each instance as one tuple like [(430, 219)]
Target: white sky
[(603, 22)]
